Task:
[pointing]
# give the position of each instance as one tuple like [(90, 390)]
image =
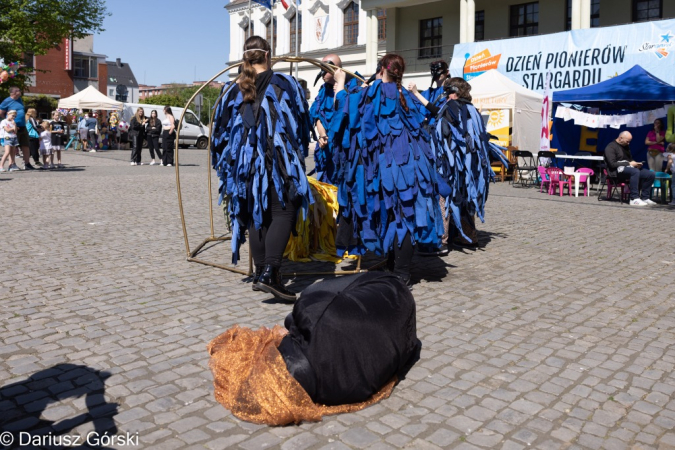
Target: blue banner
[(266, 3)]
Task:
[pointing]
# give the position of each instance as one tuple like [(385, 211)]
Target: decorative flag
[(545, 141), (266, 3), (287, 3)]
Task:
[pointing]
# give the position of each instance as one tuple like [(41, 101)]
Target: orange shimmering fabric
[(251, 380)]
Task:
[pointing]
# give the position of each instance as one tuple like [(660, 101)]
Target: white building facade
[(326, 26)]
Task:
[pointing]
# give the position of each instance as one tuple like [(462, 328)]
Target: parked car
[(192, 132)]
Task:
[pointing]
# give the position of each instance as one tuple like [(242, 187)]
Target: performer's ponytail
[(256, 50), (395, 67)]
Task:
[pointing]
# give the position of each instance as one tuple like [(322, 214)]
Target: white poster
[(574, 58)]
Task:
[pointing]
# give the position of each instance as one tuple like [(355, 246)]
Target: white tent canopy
[(90, 98), (492, 90)]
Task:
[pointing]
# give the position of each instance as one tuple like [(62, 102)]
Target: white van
[(193, 132)]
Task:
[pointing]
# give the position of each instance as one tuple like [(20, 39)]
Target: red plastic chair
[(544, 179), (584, 180), (612, 185), (558, 180)]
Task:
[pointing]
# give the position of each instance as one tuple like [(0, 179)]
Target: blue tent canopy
[(635, 89)]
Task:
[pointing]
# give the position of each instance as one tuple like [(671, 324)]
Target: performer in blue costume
[(260, 133), (463, 153), (434, 95), (321, 113), (386, 173)]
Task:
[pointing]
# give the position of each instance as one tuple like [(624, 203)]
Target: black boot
[(256, 277), (270, 282)]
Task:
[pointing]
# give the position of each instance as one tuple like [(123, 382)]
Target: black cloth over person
[(348, 336), (152, 132)]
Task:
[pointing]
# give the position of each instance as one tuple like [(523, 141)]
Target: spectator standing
[(168, 137), (46, 147), (655, 146), (620, 164), (8, 127), (92, 124), (153, 130), (84, 133), (14, 102), (58, 129), (137, 135), (33, 135)]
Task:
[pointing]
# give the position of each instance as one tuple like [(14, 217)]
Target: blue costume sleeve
[(259, 156), (387, 176)]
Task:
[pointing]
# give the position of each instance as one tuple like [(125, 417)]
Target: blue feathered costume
[(463, 153), (386, 174), (259, 148), (322, 110)]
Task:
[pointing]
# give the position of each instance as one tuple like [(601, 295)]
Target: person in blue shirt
[(14, 102), (91, 124)]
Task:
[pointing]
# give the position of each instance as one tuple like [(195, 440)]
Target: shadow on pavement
[(22, 405)]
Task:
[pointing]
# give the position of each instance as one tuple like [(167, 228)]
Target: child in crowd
[(8, 127), (46, 147), (58, 128)]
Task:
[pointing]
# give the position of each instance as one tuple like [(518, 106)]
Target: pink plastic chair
[(558, 180), (584, 179), (544, 178)]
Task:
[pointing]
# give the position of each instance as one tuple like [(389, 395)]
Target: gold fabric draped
[(251, 380)]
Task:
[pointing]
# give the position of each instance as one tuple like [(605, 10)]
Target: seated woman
[(347, 341)]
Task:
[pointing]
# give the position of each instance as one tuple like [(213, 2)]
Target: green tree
[(36, 26), (164, 100), (179, 96)]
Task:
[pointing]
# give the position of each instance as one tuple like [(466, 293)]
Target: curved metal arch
[(191, 254)]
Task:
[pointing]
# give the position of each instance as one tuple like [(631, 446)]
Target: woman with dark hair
[(655, 146), (260, 136), (386, 174), (152, 130), (168, 137), (137, 134), (463, 154)]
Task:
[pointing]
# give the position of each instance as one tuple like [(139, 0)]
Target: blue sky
[(164, 41)]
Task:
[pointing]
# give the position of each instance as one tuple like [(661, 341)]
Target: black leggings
[(403, 256), (34, 146), (153, 145), (269, 242), (168, 144)]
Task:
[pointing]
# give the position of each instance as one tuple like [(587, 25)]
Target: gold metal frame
[(192, 254)]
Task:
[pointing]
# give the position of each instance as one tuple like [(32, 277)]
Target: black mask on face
[(322, 73), (437, 69)]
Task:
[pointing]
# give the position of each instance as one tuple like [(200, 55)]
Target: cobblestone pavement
[(557, 333)]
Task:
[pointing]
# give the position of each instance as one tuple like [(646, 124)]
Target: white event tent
[(492, 90), (90, 98)]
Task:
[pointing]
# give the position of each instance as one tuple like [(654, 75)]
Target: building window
[(85, 67), (431, 38), (525, 19), (246, 30), (292, 22), (351, 25), (268, 34), (111, 92), (381, 24), (479, 27), (595, 14), (28, 60), (646, 10)]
